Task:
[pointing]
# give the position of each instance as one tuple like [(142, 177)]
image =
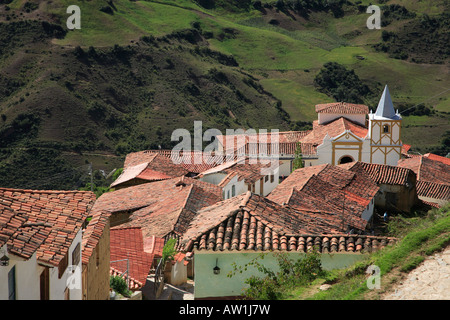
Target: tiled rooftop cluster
[(45, 222), (333, 193), (251, 222), (245, 169), (433, 175), (193, 161), (155, 167), (382, 173), (287, 141), (160, 207)]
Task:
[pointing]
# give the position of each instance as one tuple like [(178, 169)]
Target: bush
[(119, 285), (291, 274), (340, 83)]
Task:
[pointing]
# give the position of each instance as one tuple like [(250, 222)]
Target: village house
[(193, 162), (433, 177), (40, 243), (239, 229), (330, 192), (95, 253), (344, 132), (239, 176), (162, 208), (156, 167), (397, 185)]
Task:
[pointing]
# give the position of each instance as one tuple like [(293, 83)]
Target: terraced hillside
[(137, 70)]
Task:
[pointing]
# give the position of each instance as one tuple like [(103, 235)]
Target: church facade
[(353, 134), (344, 132)]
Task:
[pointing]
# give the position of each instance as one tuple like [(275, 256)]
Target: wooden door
[(45, 284)]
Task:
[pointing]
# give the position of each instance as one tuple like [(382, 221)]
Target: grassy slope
[(420, 236), (284, 58)]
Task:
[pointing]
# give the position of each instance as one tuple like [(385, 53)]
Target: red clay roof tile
[(54, 218)]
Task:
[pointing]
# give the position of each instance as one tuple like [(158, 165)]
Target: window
[(228, 194), (386, 128), (266, 178), (76, 256), (272, 178), (345, 159), (12, 283), (233, 190)]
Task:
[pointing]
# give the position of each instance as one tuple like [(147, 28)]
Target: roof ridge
[(246, 198), (44, 191)]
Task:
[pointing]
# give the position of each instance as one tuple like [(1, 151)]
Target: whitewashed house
[(238, 177), (41, 243)]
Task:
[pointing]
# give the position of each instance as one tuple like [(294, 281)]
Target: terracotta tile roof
[(405, 148), (252, 214), (251, 222), (331, 192), (342, 108), (92, 234), (333, 129), (249, 172), (322, 199), (436, 157), (23, 239), (427, 169), (10, 222), (430, 204), (250, 143), (297, 179), (433, 190), (128, 243), (54, 219), (382, 173), (193, 161), (163, 206), (155, 167)]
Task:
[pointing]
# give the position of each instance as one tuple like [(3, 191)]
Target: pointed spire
[(385, 107)]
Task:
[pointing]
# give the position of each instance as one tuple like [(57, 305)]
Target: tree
[(169, 250), (298, 161)]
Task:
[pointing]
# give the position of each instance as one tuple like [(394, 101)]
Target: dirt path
[(429, 281)]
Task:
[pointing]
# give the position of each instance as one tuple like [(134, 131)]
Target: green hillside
[(137, 70)]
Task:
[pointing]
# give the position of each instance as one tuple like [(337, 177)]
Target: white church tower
[(384, 132)]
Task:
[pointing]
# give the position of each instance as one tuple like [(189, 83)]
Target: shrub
[(119, 285), (290, 274)]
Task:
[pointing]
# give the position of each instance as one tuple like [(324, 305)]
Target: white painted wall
[(368, 212), (214, 178), (58, 285), (239, 186), (27, 277)]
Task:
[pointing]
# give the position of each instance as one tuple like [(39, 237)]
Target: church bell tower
[(384, 132)]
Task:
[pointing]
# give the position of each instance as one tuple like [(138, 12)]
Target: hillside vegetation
[(137, 70)]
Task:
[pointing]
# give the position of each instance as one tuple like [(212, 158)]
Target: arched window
[(386, 128), (345, 159)]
